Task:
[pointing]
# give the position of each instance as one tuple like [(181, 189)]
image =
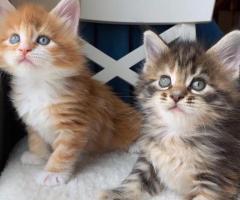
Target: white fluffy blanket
[(107, 171)]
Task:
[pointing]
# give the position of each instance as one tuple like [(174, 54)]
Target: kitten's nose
[(177, 97), (24, 51)]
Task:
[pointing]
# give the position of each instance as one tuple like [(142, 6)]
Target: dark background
[(227, 14)]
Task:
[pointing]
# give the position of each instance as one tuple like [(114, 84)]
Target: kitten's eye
[(165, 81), (198, 84), (14, 39), (43, 40)]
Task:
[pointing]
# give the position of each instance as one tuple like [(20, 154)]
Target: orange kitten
[(65, 111)]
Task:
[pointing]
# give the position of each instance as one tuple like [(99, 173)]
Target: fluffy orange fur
[(86, 116)]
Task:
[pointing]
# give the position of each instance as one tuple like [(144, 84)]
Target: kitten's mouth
[(176, 108), (25, 60)]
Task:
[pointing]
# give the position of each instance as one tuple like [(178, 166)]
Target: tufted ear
[(154, 47), (69, 12), (5, 7), (228, 52)]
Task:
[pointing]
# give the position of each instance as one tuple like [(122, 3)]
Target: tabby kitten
[(65, 111), (190, 141)]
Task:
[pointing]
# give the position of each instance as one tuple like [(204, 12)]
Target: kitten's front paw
[(31, 159), (52, 179)]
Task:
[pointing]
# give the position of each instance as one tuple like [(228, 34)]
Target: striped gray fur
[(194, 151)]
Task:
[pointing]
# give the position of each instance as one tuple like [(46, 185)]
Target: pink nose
[(176, 97), (25, 50)]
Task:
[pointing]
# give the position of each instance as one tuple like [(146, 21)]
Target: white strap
[(121, 67)]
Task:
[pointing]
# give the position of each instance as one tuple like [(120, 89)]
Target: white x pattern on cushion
[(121, 68)]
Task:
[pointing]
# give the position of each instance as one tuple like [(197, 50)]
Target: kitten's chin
[(178, 121), (26, 62)]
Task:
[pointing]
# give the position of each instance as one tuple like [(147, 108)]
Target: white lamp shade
[(147, 11)]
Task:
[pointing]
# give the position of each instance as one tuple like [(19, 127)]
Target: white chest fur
[(174, 162), (32, 98)]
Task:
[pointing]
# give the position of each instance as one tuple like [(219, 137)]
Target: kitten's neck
[(55, 84), (174, 127), (51, 74)]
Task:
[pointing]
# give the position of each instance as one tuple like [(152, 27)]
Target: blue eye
[(14, 39), (165, 81), (198, 84), (43, 40)]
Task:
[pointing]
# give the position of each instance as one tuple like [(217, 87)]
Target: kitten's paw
[(52, 179), (31, 159)]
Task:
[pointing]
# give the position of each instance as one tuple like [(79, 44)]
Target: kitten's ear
[(228, 52), (69, 12), (5, 7), (154, 46)]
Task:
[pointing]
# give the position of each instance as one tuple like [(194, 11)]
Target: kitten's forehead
[(184, 60), (29, 18), (187, 56)]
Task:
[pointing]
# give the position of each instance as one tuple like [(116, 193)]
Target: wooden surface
[(227, 14)]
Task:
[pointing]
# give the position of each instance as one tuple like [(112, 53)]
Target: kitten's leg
[(142, 179), (210, 187), (38, 152), (61, 163)]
